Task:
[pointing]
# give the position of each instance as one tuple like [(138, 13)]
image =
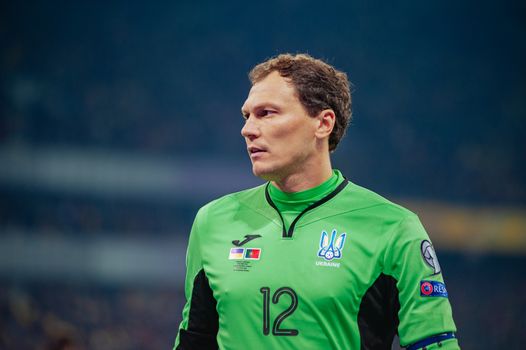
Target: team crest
[(331, 248)]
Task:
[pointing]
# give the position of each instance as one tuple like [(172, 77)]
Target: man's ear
[(326, 120)]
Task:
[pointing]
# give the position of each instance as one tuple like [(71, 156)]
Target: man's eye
[(266, 112)]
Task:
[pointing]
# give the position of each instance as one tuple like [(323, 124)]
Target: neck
[(310, 176)]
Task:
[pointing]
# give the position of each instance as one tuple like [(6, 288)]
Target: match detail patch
[(244, 254), (252, 253), (236, 253), (433, 289)]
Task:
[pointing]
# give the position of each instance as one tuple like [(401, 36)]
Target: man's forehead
[(272, 88)]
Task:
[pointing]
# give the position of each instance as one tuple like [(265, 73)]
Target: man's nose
[(251, 129)]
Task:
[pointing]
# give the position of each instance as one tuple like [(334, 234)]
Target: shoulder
[(230, 208), (399, 226), (360, 198), (252, 197)]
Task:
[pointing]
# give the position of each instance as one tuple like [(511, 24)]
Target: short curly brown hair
[(319, 86)]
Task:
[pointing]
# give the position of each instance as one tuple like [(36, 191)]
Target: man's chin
[(263, 172)]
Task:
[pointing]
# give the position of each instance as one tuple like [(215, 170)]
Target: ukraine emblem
[(331, 248)]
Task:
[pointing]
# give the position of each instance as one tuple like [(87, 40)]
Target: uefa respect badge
[(433, 289)]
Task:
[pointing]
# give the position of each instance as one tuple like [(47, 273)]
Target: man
[(309, 260)]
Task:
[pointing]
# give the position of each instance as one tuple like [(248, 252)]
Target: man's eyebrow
[(259, 106), (263, 105)]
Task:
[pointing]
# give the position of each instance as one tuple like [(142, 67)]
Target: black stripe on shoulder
[(378, 314), (203, 319)]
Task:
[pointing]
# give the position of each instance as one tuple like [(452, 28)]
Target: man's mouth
[(255, 151)]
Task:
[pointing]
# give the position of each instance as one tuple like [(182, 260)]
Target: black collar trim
[(288, 234)]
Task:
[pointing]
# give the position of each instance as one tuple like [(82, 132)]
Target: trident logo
[(331, 249)]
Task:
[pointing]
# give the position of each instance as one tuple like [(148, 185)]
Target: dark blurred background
[(119, 120)]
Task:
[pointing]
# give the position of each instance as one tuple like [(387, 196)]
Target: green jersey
[(333, 267)]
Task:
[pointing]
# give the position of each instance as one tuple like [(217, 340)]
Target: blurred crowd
[(61, 316), (435, 122), (80, 215), (65, 317)]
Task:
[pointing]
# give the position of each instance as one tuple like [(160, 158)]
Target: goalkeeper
[(308, 260)]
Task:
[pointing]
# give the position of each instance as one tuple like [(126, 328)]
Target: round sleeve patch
[(429, 256)]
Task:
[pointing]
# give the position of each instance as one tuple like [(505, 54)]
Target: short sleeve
[(425, 310)]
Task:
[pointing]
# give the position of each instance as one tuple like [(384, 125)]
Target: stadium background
[(119, 120)]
